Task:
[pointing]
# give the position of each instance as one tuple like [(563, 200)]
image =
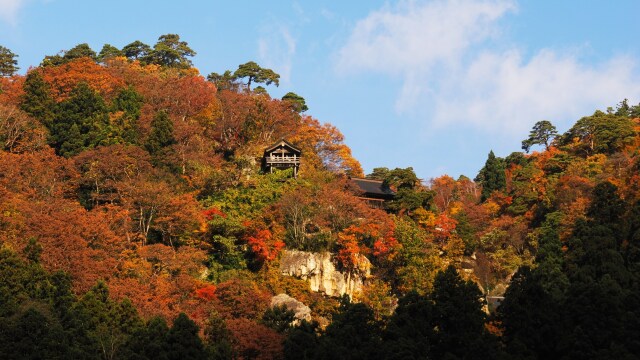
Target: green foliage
[(459, 319), (410, 333), (8, 62), (409, 194), (136, 50), (624, 109), (183, 340), (124, 128), (492, 176), (529, 314), (78, 51), (297, 102), (541, 134), (247, 202), (600, 133), (353, 334), (226, 81), (81, 122), (169, 51), (302, 342), (279, 318), (218, 338), (256, 74), (161, 135), (417, 261), (109, 51), (150, 341), (37, 100), (227, 249)]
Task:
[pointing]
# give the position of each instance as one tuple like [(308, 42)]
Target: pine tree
[(36, 100), (183, 340), (161, 134), (492, 176)]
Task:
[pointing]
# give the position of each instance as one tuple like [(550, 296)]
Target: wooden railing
[(283, 159)]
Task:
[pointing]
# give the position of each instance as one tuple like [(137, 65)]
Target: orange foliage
[(11, 90), (64, 78), (327, 142), (445, 192)]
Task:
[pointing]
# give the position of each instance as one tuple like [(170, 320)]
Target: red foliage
[(252, 340), (444, 227), (387, 246), (263, 245), (211, 213), (237, 298), (206, 293)]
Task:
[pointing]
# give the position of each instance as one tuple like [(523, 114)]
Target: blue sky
[(434, 85)]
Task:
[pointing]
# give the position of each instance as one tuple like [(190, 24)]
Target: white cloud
[(415, 37), (455, 69), (9, 10), (276, 49), (503, 92)]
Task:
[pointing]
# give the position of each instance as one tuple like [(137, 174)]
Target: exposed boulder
[(301, 311)]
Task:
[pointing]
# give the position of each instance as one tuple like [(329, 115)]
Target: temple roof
[(374, 188), (282, 143)]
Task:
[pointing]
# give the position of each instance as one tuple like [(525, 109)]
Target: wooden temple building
[(375, 192), (281, 155)]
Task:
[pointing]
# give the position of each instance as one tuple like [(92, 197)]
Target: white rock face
[(320, 271), (302, 311)]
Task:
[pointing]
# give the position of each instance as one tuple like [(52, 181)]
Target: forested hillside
[(136, 223)]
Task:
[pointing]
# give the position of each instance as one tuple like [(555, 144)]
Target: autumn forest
[(137, 222)]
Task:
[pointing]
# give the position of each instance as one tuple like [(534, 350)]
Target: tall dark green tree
[(301, 342), (541, 134), (600, 313), (36, 100), (183, 340), (410, 333), (459, 319), (353, 334), (81, 122), (492, 176), (529, 315), (8, 62), (161, 134), (125, 128), (150, 341)]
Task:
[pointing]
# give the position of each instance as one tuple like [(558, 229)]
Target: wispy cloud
[(276, 50), (456, 69), (9, 10)]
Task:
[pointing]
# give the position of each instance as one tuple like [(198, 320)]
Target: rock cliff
[(320, 270)]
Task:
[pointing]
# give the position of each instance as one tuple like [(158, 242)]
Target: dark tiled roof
[(374, 188), (283, 143)]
